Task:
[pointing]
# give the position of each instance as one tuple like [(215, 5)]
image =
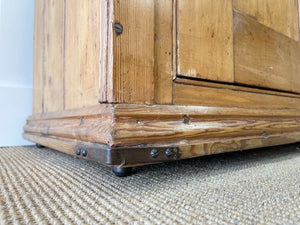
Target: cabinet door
[(252, 43), (279, 15), (205, 39), (266, 44)]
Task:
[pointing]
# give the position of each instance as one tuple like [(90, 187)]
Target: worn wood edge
[(175, 39), (92, 124), (173, 131), (139, 155), (124, 125), (182, 80), (220, 97), (210, 148), (106, 53), (165, 111), (175, 124)]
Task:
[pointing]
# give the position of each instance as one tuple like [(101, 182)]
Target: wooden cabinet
[(205, 40), (134, 82)]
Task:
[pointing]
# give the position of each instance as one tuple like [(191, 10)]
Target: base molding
[(143, 155), (127, 135)]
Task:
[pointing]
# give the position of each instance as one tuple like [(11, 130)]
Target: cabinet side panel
[(299, 18), (163, 51), (205, 39), (37, 100), (54, 56), (280, 15), (133, 80), (82, 56), (106, 53)]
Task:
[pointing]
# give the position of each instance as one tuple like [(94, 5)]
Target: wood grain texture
[(175, 39), (280, 15), (188, 125), (133, 71), (205, 39), (202, 83), (210, 148), (53, 75), (163, 51), (106, 52), (122, 125), (82, 53), (265, 58), (299, 17), (138, 156), (38, 55), (207, 96), (93, 124)]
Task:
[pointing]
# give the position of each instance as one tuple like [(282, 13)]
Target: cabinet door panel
[(205, 39), (280, 15), (264, 57)]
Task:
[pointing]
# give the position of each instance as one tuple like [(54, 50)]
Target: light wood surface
[(53, 76), (66, 55), (208, 96), (163, 125), (205, 39), (263, 57), (82, 53), (104, 154), (197, 76), (163, 51), (235, 87), (93, 124), (210, 148), (299, 17), (38, 58), (191, 130), (133, 75), (106, 52), (280, 15)]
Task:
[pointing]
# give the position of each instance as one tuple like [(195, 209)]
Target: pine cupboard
[(134, 82)]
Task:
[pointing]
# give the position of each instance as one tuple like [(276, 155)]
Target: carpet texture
[(43, 186)]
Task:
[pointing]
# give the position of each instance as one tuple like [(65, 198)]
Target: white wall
[(16, 54)]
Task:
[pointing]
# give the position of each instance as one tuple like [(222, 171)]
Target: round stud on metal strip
[(170, 152), (154, 153), (78, 151), (84, 153)]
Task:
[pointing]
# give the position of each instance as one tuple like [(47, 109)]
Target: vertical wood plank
[(280, 15), (163, 51), (264, 57), (54, 56), (104, 24), (205, 39), (37, 99), (133, 80), (82, 56), (299, 18)]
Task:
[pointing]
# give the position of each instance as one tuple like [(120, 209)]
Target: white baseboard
[(16, 105)]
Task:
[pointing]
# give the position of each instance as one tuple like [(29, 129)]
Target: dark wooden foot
[(39, 146), (122, 172)]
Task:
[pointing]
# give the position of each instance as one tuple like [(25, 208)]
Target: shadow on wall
[(16, 54)]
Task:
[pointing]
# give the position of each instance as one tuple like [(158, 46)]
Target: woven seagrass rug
[(43, 186)]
